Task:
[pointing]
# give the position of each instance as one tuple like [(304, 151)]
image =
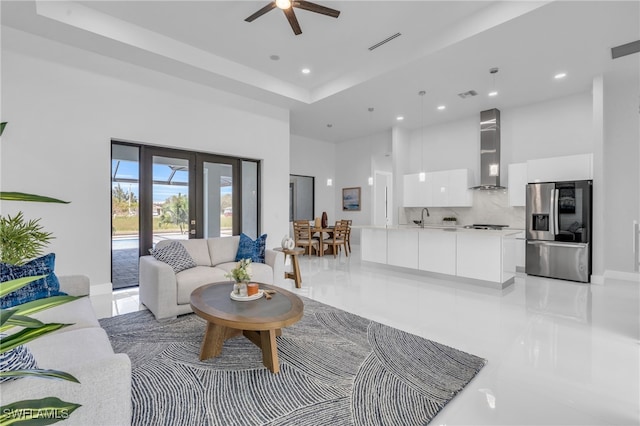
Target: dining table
[(321, 231)]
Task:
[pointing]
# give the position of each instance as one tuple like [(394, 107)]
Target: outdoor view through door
[(160, 194)]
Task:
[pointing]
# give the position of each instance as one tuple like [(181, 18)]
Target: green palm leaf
[(36, 412), (21, 196), (46, 374), (31, 308), (23, 321), (4, 123), (27, 335), (12, 285)]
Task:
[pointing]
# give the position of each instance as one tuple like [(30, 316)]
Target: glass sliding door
[(125, 223), (250, 201), (169, 194), (218, 215)]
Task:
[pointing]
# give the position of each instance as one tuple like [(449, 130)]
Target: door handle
[(549, 243)]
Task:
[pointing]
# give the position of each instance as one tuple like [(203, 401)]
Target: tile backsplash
[(489, 207)]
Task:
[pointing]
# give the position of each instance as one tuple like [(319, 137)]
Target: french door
[(181, 194)]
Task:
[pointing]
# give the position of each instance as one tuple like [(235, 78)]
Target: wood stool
[(295, 272)]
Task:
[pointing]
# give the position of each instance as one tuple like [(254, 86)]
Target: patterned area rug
[(336, 369)]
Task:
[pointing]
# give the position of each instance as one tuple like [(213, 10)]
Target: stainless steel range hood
[(489, 150)]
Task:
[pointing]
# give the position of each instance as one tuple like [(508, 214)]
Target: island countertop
[(484, 256), (457, 228)]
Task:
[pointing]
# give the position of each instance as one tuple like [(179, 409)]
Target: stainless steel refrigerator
[(558, 220)]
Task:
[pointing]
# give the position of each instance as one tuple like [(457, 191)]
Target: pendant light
[(422, 176), (493, 72), (370, 179)]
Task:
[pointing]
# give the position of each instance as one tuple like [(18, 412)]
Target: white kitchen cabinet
[(439, 189), (402, 248), (555, 169), (517, 184), (417, 193), (411, 190), (521, 247), (437, 251), (374, 245), (479, 256), (459, 193), (446, 188)]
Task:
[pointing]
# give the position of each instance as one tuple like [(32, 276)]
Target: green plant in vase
[(20, 241)]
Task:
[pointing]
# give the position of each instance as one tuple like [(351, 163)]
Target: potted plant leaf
[(21, 240)]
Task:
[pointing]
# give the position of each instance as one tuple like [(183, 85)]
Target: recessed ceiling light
[(494, 93), (306, 70), (329, 125), (274, 57), (560, 75), (441, 107), (399, 118)]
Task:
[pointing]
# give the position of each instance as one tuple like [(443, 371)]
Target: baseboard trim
[(624, 276)]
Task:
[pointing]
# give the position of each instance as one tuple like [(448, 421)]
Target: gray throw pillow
[(174, 255)]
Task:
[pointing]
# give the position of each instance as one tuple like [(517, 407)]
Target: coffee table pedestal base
[(216, 335)]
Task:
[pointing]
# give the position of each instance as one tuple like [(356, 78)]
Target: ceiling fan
[(287, 7)]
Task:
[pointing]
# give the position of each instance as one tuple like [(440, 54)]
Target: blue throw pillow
[(250, 249), (44, 287)]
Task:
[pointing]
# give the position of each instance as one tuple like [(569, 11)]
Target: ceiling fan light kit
[(287, 7)]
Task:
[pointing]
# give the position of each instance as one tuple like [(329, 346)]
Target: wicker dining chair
[(303, 238), (339, 238)]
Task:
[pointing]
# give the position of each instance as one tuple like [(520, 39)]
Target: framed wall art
[(351, 199)]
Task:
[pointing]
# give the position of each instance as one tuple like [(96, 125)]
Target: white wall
[(62, 117), (355, 161), (311, 157)]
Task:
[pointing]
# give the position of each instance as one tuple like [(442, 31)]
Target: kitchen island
[(481, 256)]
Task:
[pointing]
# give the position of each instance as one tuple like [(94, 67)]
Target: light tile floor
[(558, 352)]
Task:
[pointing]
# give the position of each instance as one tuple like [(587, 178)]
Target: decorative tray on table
[(258, 295)]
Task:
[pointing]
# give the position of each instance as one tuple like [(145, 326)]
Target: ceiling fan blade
[(313, 7), (261, 12), (293, 21)]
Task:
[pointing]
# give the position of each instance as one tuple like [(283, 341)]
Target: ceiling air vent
[(386, 40), (469, 94)]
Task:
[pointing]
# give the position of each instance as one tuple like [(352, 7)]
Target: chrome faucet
[(422, 216)]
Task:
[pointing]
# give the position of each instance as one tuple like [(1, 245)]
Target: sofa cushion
[(18, 358), (190, 279), (223, 249), (59, 351), (261, 272), (79, 313), (175, 255), (251, 249), (45, 287)]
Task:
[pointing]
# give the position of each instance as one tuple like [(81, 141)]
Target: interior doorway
[(169, 194)]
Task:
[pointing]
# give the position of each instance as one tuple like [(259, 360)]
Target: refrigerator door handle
[(552, 244), (556, 209), (552, 211)]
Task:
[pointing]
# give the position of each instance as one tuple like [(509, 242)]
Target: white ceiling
[(446, 47)]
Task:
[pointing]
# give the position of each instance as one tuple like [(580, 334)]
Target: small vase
[(240, 289)]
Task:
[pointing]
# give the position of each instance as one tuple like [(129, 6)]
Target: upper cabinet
[(447, 188), (555, 169), (517, 184)]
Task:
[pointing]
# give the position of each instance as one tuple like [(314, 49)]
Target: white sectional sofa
[(84, 351), (167, 294)]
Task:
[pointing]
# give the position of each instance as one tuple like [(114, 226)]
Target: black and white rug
[(336, 369)]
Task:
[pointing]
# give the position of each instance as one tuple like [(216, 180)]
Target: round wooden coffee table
[(258, 320)]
